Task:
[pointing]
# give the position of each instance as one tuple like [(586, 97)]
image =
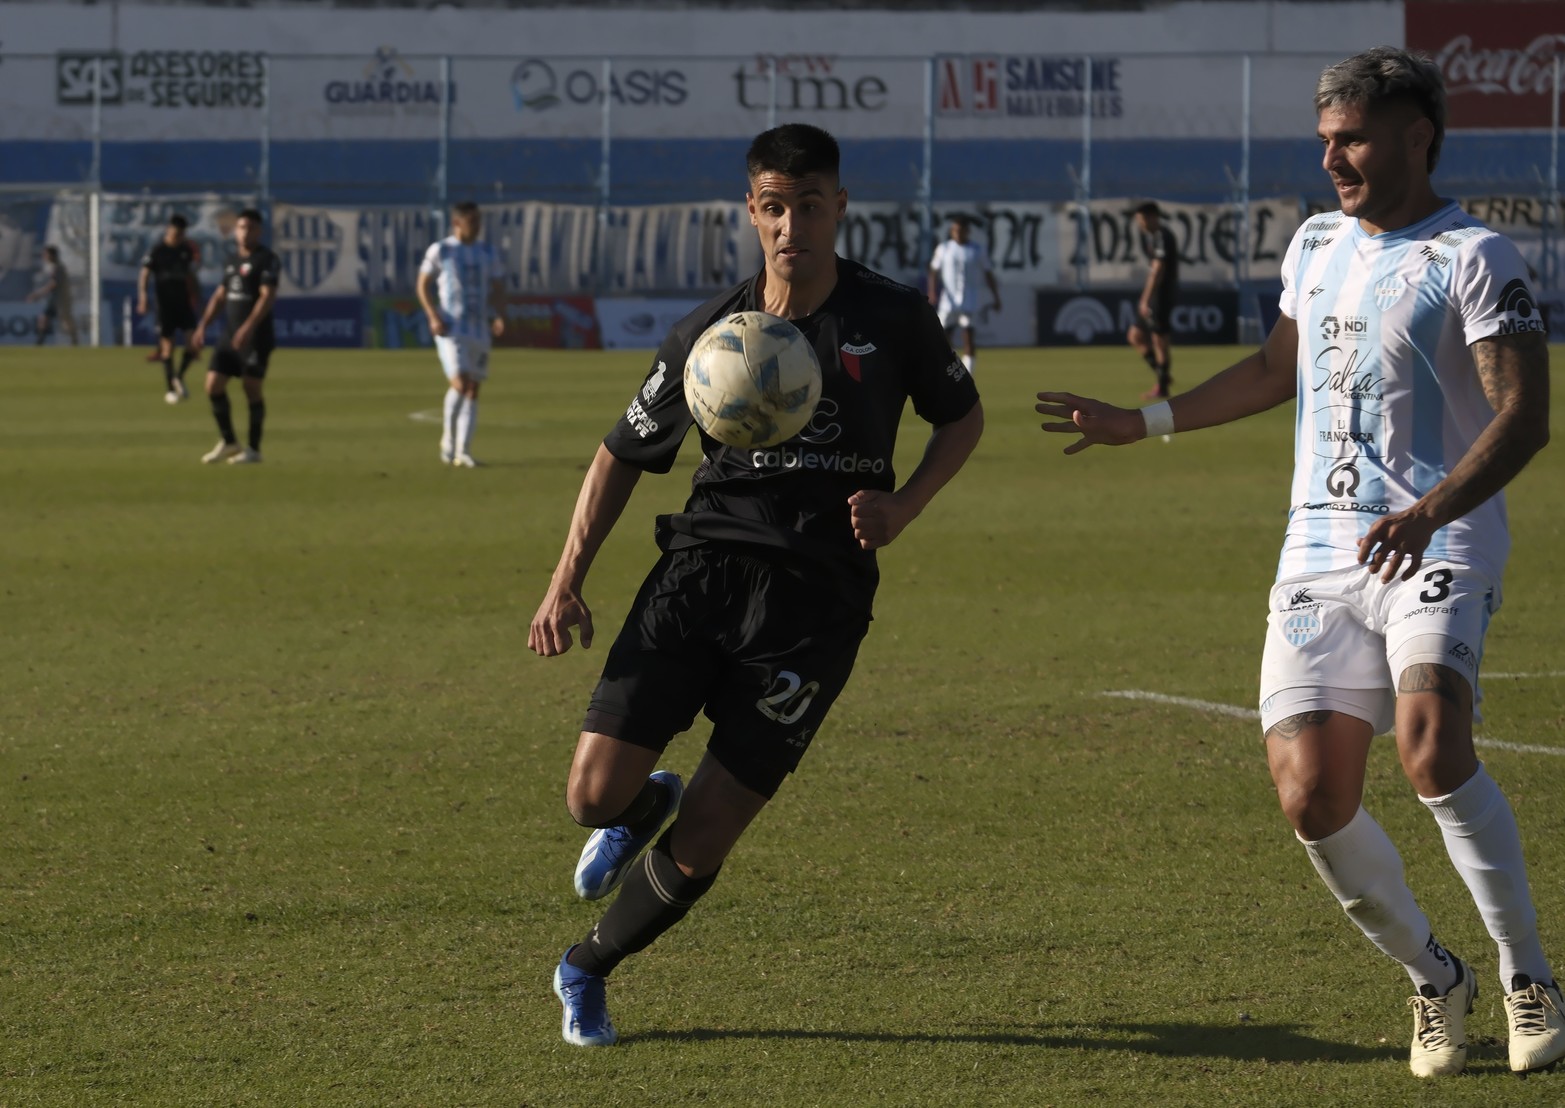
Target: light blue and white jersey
[(1389, 399), (464, 271), (961, 267)]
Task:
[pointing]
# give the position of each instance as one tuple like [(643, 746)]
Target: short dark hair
[(961, 220), (1386, 75), (1148, 207), (794, 150), (253, 215), (178, 221), (51, 252), (464, 208)]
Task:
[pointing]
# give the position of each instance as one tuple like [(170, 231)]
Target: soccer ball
[(752, 379)]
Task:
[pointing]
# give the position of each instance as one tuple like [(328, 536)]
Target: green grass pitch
[(281, 789)]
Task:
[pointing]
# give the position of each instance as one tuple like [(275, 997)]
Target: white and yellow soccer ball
[(752, 379)]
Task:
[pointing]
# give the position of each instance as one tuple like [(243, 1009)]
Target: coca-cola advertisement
[(1497, 58)]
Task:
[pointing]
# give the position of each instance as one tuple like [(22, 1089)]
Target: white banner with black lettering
[(1209, 238)]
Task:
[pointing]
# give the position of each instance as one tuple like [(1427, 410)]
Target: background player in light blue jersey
[(461, 286), (1415, 349)]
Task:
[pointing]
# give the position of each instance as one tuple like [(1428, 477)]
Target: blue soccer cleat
[(586, 1021), (609, 851)]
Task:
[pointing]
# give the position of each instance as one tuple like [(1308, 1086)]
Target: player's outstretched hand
[(437, 327), (1393, 540), (878, 517), (197, 339), (1095, 421), (550, 633)]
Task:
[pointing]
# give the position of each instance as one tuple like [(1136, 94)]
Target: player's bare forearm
[(1514, 372), (1263, 380), (604, 493), (213, 306), (263, 306), (878, 517)]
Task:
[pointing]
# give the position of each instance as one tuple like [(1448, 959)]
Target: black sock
[(184, 362), (655, 896), (644, 813), (223, 413), (257, 417), (1165, 373), (1151, 360), (168, 372)]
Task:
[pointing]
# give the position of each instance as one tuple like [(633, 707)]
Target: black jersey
[(879, 344), (172, 268), (243, 279), (1159, 246)]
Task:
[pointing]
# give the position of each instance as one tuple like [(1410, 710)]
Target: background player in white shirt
[(1419, 361), (466, 278), (953, 283)]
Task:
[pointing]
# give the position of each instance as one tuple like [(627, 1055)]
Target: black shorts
[(1159, 322), (765, 649), (175, 316), (231, 363)]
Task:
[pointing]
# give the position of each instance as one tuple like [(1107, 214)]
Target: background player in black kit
[(248, 290), (170, 267), (1151, 331), (757, 605)]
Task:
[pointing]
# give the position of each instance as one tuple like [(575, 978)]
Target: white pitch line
[(1250, 713), (431, 415), (1524, 676), (1186, 702)]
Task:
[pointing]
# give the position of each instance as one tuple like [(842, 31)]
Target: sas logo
[(1350, 328), (1388, 290), (1300, 629), (310, 245), (1083, 318), (852, 352)]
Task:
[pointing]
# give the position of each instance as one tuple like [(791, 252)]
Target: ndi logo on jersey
[(310, 245), (851, 353), (1300, 628), (1083, 318), (1388, 290)]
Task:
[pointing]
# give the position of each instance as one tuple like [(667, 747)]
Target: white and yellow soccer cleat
[(1440, 1026), (222, 452), (1537, 1025)]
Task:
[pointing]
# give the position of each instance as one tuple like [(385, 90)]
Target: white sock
[(1363, 870), (1486, 849), (968, 360), (448, 425), (466, 420)]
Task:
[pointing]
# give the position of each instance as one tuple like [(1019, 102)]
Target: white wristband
[(1159, 417)]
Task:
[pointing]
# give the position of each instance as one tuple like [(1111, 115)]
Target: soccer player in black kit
[(170, 266), (1151, 331), (248, 291), (756, 607)]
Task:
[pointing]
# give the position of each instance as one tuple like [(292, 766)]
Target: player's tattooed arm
[(1293, 726), (1514, 373), (1443, 681)]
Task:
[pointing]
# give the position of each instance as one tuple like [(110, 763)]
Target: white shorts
[(463, 357), (1339, 640), (951, 317)]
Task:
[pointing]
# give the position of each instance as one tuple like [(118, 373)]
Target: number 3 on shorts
[(1439, 582)]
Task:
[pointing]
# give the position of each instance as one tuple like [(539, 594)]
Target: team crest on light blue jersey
[(1301, 628), (1388, 290)]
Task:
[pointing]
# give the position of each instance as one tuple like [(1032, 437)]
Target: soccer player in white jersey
[(954, 273), (461, 286), (1415, 350)]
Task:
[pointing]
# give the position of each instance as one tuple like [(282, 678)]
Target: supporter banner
[(639, 323), (131, 225), (1208, 236), (319, 321), (1101, 317), (550, 322), (1023, 239), (23, 224), (16, 322), (1497, 58)]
